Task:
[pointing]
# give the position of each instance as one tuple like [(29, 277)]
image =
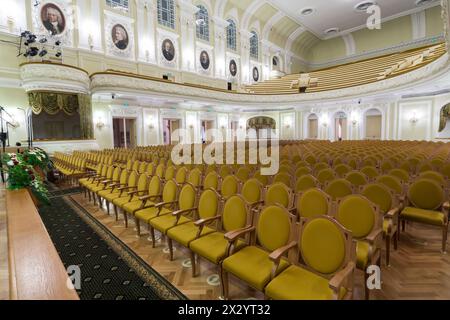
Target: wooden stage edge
[(36, 271)]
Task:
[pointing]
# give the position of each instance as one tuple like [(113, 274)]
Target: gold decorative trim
[(54, 64)]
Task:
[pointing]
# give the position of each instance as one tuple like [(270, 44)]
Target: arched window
[(118, 4), (202, 22), (254, 45), (231, 35), (166, 13)]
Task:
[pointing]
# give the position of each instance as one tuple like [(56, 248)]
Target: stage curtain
[(55, 102), (85, 109)]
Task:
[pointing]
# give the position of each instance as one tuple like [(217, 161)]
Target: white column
[(187, 39), (220, 26), (146, 19), (266, 63), (245, 56)]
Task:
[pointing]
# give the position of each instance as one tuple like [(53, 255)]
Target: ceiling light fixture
[(331, 31), (363, 6), (307, 11)]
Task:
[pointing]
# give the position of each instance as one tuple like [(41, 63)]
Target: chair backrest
[(142, 184), (181, 175), (326, 175), (445, 170), (313, 202), (263, 179), (195, 177), (301, 171), (357, 214), (135, 166), (274, 227), (236, 214), (243, 174), (403, 175), (433, 175), (283, 178), (325, 246), (211, 180), (142, 167), (229, 187), (154, 186), (356, 178), (392, 182), (306, 182), (380, 195), (170, 191), (370, 172), (208, 205), (252, 191), (160, 170), (133, 179), (342, 169), (339, 188), (426, 194), (278, 193), (124, 177), (170, 173), (116, 174), (187, 197), (320, 166), (225, 171)]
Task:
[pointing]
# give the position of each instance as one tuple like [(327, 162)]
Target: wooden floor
[(418, 269), (4, 275)]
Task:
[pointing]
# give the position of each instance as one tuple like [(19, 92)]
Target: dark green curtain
[(55, 102)]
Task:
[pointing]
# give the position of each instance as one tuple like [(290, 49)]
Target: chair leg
[(89, 195), (194, 269), (224, 282), (388, 249), (93, 198), (138, 226), (444, 238), (152, 234), (116, 213), (125, 217), (395, 237), (170, 244), (366, 289), (403, 225), (107, 207), (100, 202)]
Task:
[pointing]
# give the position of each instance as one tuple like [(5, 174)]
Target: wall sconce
[(288, 122), (151, 123), (91, 41), (241, 123), (324, 120), (100, 124), (414, 119), (354, 118)]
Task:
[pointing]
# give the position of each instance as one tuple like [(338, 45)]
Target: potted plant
[(22, 173)]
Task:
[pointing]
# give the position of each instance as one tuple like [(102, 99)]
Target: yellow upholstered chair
[(320, 166), (338, 188), (225, 171), (312, 203), (100, 183), (170, 173), (382, 196), (326, 175), (357, 214), (273, 230), (236, 215), (132, 195), (426, 203), (252, 191), (278, 193), (185, 205), (95, 179), (433, 175), (112, 191), (160, 169), (326, 273), (306, 182), (357, 178), (212, 180), (105, 183), (211, 168), (230, 186), (386, 166), (392, 182), (424, 167), (202, 221), (150, 209), (151, 170), (142, 167), (261, 178)]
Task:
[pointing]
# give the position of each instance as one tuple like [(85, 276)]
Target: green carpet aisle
[(109, 270)]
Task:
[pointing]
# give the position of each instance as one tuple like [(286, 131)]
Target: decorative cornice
[(45, 76)]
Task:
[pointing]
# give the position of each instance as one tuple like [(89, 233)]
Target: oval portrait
[(255, 74), (53, 19), (204, 60), (233, 68), (120, 36), (168, 50)]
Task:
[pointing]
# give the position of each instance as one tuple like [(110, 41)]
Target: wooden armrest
[(446, 206), (277, 254), (158, 205), (126, 188), (234, 235), (392, 213), (133, 192), (149, 197), (372, 237), (202, 222), (335, 283), (180, 212), (106, 181)]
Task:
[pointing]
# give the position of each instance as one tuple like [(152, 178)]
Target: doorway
[(206, 135), (340, 126), (373, 124), (313, 127), (124, 132), (170, 127)]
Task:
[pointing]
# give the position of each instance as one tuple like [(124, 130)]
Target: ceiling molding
[(294, 36), (269, 25), (250, 12)]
